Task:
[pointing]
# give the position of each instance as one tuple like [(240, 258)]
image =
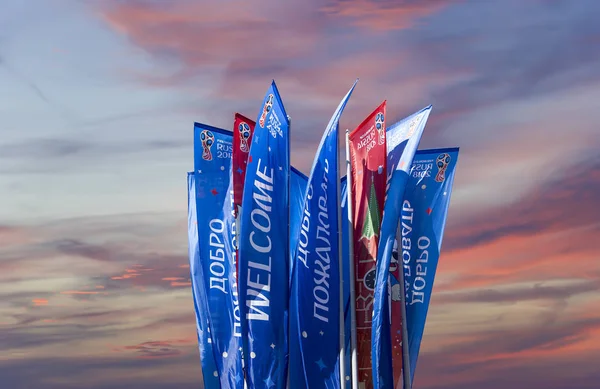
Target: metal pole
[(354, 357), (341, 269), (287, 385), (405, 349)]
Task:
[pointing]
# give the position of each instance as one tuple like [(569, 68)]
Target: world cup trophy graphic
[(266, 109), (442, 162), (379, 120), (207, 139), (244, 136)]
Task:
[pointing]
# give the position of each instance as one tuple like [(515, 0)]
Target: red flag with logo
[(243, 128), (368, 165)]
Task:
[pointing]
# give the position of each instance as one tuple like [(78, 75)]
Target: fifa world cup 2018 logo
[(244, 136), (266, 109), (207, 139), (379, 120), (442, 162)]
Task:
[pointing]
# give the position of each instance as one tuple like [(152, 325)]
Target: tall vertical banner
[(264, 248), (368, 162), (210, 375), (402, 142), (243, 128), (316, 279), (216, 233), (424, 212)]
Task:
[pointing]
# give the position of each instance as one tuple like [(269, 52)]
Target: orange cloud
[(39, 302)]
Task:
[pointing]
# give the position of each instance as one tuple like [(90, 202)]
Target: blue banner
[(210, 374), (264, 248), (298, 182), (216, 237), (402, 140), (424, 211), (316, 280)]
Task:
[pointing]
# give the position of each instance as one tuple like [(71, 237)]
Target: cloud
[(383, 16), (539, 290), (102, 372), (72, 154), (158, 349), (566, 201)]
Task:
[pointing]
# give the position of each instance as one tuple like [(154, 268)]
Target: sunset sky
[(97, 104)]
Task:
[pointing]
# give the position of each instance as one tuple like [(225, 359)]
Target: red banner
[(368, 160), (243, 128)]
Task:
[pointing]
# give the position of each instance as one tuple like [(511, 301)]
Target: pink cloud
[(384, 15)]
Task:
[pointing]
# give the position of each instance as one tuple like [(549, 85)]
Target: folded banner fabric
[(264, 248), (368, 160), (210, 374), (402, 140), (216, 237), (315, 295), (424, 212)]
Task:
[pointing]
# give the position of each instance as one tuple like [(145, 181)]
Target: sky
[(97, 104)]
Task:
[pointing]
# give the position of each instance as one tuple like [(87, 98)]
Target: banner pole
[(287, 385), (237, 258), (353, 356), (405, 345), (341, 269)]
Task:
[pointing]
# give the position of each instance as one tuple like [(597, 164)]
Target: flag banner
[(298, 183), (264, 248), (210, 375), (368, 162), (424, 211), (402, 141), (216, 233), (315, 294), (243, 128)]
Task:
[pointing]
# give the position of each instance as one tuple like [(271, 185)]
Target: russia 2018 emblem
[(442, 162), (266, 109), (380, 127), (244, 130), (207, 138)]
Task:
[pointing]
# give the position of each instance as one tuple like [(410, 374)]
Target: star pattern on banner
[(429, 210), (273, 346), (214, 192), (269, 382), (321, 364), (239, 170)]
